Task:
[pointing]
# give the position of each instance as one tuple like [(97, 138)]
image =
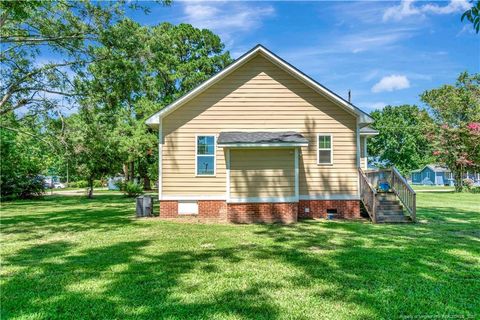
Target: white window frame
[(318, 149), (206, 155)]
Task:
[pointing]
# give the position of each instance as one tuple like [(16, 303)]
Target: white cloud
[(406, 9), (370, 75), (403, 10), (452, 7), (391, 83), (363, 41), (226, 18), (371, 40)]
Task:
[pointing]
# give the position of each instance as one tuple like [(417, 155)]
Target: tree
[(23, 150), (44, 43), (456, 113), (403, 139), (93, 144), (473, 15)]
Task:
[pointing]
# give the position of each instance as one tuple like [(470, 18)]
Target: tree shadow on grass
[(68, 214), (393, 270), (388, 271), (126, 283)]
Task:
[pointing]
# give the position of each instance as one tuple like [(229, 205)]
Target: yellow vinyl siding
[(259, 96), (262, 173)]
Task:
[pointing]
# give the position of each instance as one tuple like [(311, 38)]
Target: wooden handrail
[(399, 175), (368, 195), (404, 192)]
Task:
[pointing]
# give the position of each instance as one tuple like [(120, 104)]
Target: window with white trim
[(324, 149), (205, 156)]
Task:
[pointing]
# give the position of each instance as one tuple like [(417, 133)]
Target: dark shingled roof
[(261, 137)]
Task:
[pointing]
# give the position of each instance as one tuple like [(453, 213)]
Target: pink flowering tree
[(456, 135)]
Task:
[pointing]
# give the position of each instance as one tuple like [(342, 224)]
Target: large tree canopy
[(403, 141), (44, 43)]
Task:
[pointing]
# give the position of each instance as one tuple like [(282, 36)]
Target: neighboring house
[(435, 174), (432, 174), (113, 182), (260, 142)]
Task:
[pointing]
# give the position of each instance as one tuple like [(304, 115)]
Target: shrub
[(24, 187), (468, 183), (120, 185), (475, 189), (82, 184), (29, 187), (97, 183), (131, 189)]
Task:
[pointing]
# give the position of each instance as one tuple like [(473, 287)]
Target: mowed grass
[(69, 257), (417, 187)]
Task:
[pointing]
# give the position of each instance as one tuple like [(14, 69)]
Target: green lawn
[(433, 188), (68, 257)]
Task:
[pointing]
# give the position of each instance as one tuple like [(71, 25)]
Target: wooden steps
[(389, 209), (397, 205)]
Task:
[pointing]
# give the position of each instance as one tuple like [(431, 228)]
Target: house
[(113, 182), (261, 142), (435, 174), (432, 174)]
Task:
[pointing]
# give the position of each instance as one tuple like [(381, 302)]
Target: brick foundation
[(262, 212), (346, 209), (212, 209), (284, 212), (168, 209)]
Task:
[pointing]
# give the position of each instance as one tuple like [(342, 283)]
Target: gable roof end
[(363, 118)]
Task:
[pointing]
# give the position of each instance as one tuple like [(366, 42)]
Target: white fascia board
[(369, 134), (330, 197), (267, 199), (193, 197), (260, 200), (363, 117), (263, 145)]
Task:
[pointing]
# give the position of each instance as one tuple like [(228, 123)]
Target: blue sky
[(385, 52)]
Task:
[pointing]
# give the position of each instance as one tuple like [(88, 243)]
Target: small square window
[(205, 145), (205, 165)]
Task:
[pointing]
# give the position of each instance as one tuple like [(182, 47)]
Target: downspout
[(160, 157), (357, 133)]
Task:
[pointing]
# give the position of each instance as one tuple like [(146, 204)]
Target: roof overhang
[(362, 117), (261, 139), (262, 145), (367, 131)]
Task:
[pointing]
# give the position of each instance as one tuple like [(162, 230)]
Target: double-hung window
[(324, 149), (205, 156)]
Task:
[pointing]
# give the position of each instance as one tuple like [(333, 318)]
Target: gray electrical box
[(144, 206)]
